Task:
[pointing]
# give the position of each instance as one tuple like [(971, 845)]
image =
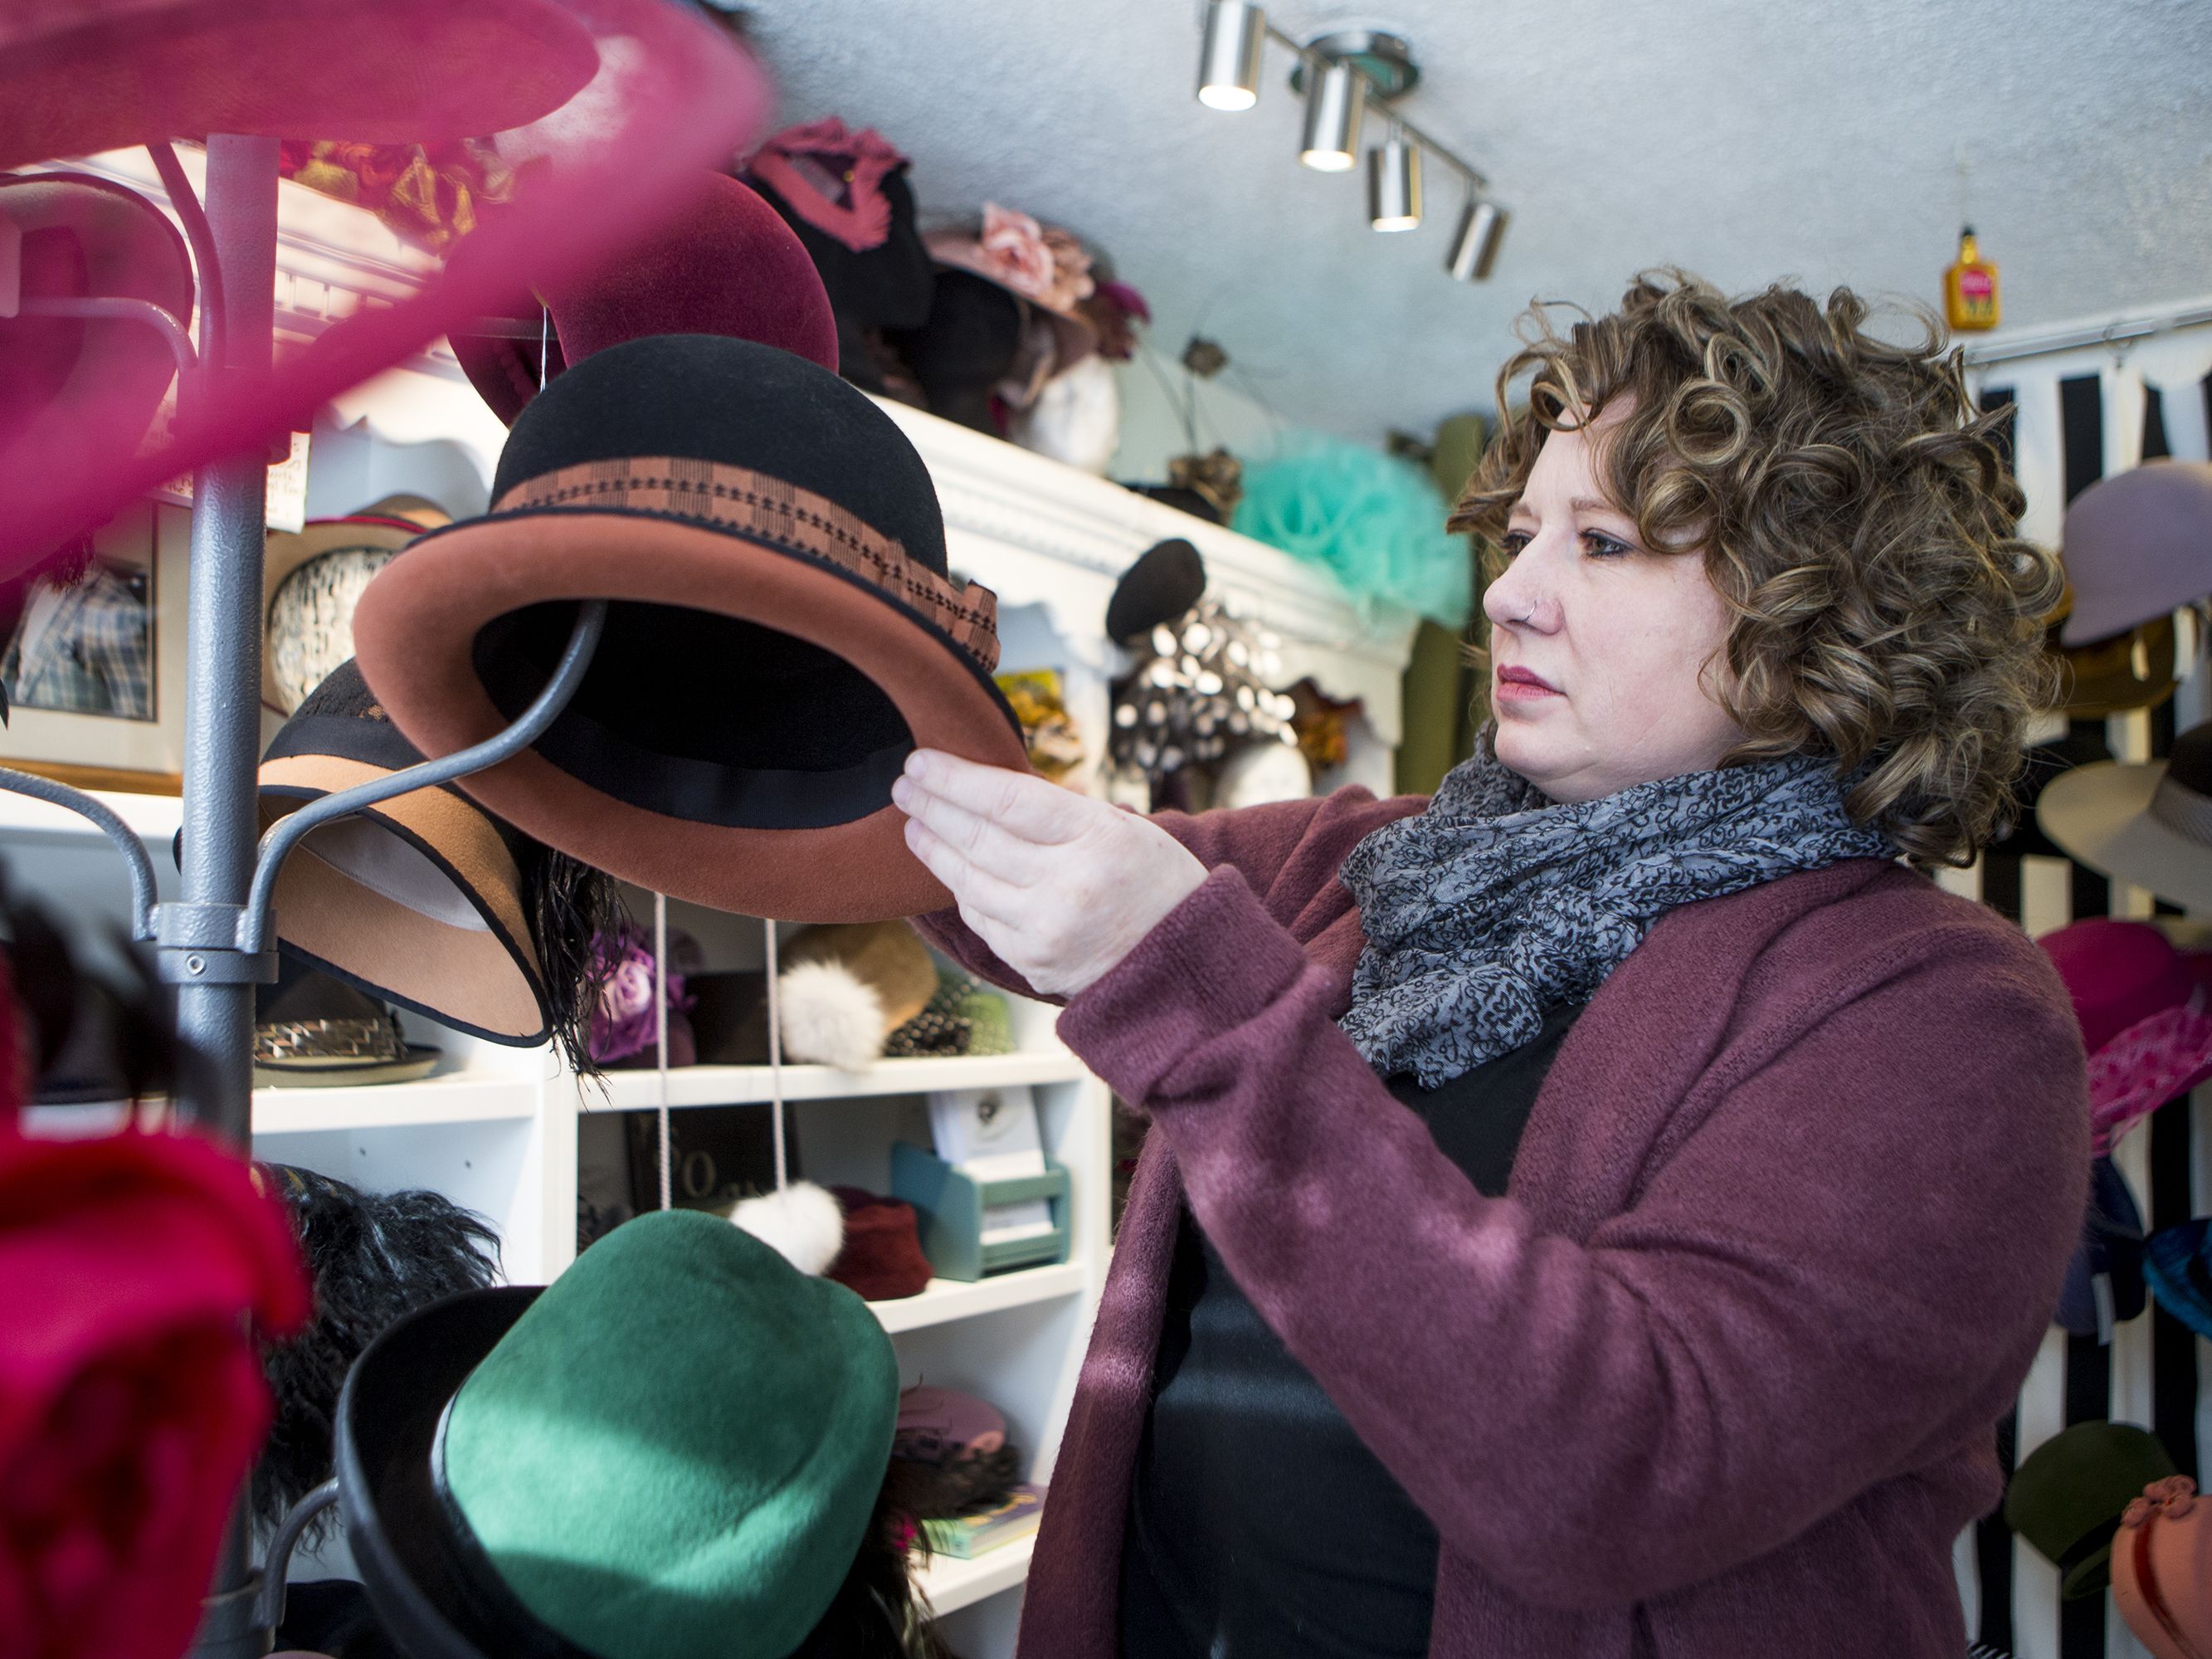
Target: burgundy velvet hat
[(728, 264), (605, 109), (100, 378)]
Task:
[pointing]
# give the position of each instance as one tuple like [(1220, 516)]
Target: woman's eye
[(1599, 545), (1512, 541)]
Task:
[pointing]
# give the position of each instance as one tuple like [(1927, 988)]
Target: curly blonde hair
[(1854, 513)]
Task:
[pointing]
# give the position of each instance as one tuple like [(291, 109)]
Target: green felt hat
[(676, 1448), (2067, 1496)]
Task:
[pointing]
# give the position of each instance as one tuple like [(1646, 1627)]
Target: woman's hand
[(1059, 885)]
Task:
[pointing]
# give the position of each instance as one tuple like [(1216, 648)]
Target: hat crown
[(2117, 973), (2079, 1480), (735, 404), (678, 1448)]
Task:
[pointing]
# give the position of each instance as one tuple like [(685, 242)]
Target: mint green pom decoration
[(677, 1450), (1374, 522)]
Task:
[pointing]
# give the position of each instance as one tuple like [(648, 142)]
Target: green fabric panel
[(1433, 711), (1438, 690), (678, 1448)]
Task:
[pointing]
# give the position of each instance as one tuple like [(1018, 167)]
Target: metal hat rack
[(215, 943)]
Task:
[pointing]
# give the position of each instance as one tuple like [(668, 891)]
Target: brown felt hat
[(418, 900), (784, 631)]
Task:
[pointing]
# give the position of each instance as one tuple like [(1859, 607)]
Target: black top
[(1259, 1523)]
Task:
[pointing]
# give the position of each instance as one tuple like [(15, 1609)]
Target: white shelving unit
[(496, 1129)]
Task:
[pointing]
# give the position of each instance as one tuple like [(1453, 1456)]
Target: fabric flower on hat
[(131, 1401), (1048, 266), (622, 1023)]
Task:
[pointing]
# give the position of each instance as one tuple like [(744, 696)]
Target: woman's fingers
[(978, 838), (973, 886), (1024, 804)]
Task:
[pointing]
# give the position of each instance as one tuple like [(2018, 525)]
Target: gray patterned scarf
[(1495, 905)]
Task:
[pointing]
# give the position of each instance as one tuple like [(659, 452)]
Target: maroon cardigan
[(1719, 1375)]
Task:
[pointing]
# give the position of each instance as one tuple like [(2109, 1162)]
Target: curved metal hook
[(290, 831), (124, 838), (277, 1565)]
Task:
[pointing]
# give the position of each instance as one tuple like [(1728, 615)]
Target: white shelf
[(733, 1085), (948, 1299), (457, 1097), (154, 818), (951, 1584)]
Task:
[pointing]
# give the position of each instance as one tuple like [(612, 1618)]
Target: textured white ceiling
[(1744, 139)]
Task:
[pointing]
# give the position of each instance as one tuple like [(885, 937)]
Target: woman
[(1603, 1210)]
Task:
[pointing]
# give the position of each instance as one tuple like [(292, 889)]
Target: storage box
[(949, 1205)]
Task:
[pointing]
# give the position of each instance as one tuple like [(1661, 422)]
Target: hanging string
[(544, 344), (660, 1031), (775, 1056)]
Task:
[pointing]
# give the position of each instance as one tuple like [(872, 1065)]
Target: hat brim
[(2167, 1255), (2086, 1577), (407, 71), (485, 981), (346, 1072), (2101, 680), (2101, 815), (388, 1419), (130, 251), (417, 626), (287, 551), (673, 94)]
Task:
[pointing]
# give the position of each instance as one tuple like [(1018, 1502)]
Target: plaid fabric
[(94, 657)]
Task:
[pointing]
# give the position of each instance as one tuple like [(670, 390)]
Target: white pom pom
[(830, 1017), (802, 1222)]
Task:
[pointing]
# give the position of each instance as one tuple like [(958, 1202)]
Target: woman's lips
[(1519, 685)]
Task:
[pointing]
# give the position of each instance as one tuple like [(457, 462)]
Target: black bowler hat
[(784, 631)]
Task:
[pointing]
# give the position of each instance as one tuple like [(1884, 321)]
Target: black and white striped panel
[(2070, 427)]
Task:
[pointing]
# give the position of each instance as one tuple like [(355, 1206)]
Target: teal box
[(948, 1207)]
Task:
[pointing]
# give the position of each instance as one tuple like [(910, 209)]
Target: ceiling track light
[(1339, 72), (1229, 62), (1475, 244), (1394, 183), (1336, 98)]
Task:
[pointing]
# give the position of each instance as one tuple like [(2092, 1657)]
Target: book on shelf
[(964, 1537)]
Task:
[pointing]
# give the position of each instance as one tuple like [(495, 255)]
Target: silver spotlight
[(1336, 97), (1229, 62), (1393, 184), (1474, 247)]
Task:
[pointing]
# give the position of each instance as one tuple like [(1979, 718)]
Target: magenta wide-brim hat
[(608, 110), (95, 75), (101, 379), (728, 265)]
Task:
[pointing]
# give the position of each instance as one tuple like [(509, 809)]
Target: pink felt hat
[(2138, 545), (100, 378), (606, 110), (2142, 1007), (2162, 1569), (728, 265)]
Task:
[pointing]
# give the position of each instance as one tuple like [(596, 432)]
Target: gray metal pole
[(222, 742), (223, 660)]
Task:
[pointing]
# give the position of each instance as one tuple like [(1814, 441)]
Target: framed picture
[(95, 668)]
